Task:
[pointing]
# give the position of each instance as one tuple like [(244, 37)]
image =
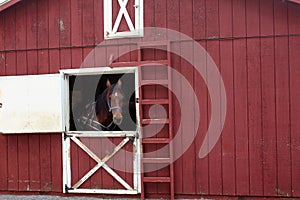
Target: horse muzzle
[(117, 120)]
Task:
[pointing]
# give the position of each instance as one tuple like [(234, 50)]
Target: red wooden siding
[(255, 45)]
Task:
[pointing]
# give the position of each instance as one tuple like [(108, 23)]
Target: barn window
[(123, 18), (83, 94)]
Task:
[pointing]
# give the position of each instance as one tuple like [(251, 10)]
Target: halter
[(89, 119), (113, 108)]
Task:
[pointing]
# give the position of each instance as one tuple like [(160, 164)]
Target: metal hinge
[(67, 188)]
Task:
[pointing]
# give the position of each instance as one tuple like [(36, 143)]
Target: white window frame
[(110, 27)]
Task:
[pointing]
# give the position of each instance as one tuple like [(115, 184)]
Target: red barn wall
[(254, 43)]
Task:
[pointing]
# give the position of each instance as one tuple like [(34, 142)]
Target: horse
[(106, 112)]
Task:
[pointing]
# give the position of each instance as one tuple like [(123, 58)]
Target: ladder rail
[(154, 141)]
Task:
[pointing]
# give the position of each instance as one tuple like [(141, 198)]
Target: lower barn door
[(101, 164)]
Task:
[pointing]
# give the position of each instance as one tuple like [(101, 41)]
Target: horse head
[(115, 101)]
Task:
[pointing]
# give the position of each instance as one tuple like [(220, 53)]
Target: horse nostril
[(118, 121)]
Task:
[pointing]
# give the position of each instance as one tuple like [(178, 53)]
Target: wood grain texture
[(248, 40)]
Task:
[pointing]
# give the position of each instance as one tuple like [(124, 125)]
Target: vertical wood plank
[(228, 134), (212, 18), (199, 19), (174, 24), (99, 21), (10, 63), (42, 21), (284, 173), (254, 117), (280, 18), (56, 162), (34, 162), (266, 18), (241, 117), (160, 17), (53, 28), (4, 165), (21, 63), (10, 29), (76, 58), (76, 22), (45, 163), (34, 141), (12, 163), (3, 138), (45, 139), (32, 24), (2, 63), (43, 61), (202, 165), (23, 140), (188, 128), (21, 25), (54, 61), (2, 32), (215, 159), (178, 165), (173, 15), (294, 46), (32, 63), (23, 164), (225, 18), (88, 22), (268, 116), (149, 13), (12, 142), (65, 59), (74, 163), (252, 18), (64, 23), (186, 17), (239, 18), (293, 18)]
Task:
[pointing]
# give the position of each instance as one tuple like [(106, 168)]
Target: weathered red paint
[(255, 45)]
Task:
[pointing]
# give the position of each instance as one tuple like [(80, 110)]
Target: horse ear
[(119, 83), (108, 84)]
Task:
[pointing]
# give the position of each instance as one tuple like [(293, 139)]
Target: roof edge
[(295, 1), (8, 4)]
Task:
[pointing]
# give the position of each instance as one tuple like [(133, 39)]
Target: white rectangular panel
[(31, 104)]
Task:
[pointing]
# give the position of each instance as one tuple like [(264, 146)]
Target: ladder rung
[(157, 179), (156, 141), (156, 160), (154, 82), (153, 44), (154, 62), (154, 101), (155, 121)]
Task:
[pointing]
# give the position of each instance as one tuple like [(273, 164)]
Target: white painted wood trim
[(110, 29)]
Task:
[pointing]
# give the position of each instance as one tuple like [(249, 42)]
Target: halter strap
[(112, 108), (89, 119)]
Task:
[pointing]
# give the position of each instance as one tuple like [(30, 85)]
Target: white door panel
[(31, 104)]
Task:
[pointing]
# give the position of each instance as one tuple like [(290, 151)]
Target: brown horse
[(106, 112)]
